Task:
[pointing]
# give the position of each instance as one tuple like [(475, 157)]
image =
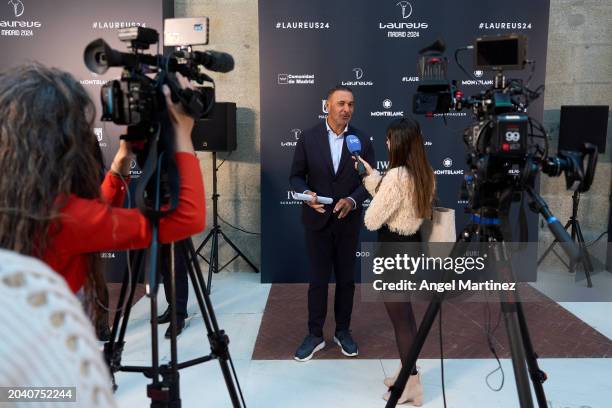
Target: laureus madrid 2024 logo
[(18, 7)]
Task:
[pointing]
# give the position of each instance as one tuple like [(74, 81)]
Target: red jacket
[(95, 225)]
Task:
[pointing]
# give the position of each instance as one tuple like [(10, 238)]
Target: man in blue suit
[(322, 166)]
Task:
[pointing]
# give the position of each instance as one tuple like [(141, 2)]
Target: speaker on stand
[(217, 133)]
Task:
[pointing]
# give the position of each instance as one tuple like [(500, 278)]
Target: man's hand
[(344, 205), (318, 207)]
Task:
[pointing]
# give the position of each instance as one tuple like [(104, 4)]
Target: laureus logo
[(406, 8), (18, 7), (99, 134), (358, 73), (296, 133)]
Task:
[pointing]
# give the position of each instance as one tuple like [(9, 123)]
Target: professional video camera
[(136, 99), (504, 157), (506, 147)]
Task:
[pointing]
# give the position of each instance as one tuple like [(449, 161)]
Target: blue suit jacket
[(312, 169)]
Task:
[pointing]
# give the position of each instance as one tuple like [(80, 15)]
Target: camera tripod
[(215, 233), (576, 233), (487, 226), (166, 393)]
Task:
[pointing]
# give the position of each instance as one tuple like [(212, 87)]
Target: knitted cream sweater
[(393, 204), (46, 340)]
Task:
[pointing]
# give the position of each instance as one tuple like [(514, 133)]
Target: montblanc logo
[(18, 7), (477, 82), (406, 8), (295, 134), (358, 73), (387, 104), (478, 73), (447, 163)]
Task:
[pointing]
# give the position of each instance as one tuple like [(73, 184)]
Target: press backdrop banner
[(306, 47), (56, 32)]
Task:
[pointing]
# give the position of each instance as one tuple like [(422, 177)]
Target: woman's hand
[(123, 159), (367, 166), (181, 121)]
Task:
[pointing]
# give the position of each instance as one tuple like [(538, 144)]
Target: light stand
[(215, 233)]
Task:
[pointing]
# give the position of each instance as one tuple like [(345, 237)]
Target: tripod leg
[(509, 307), (518, 354), (552, 245), (173, 376), (137, 271), (213, 266), (586, 258), (210, 234), (217, 337), (114, 348), (239, 252), (537, 375)]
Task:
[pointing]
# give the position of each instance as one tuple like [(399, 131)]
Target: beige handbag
[(441, 226)]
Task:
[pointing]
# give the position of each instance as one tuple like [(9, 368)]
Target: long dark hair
[(406, 149), (47, 152)]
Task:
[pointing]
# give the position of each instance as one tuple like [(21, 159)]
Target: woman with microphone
[(401, 199)]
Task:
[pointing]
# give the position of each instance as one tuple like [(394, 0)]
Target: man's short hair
[(339, 88)]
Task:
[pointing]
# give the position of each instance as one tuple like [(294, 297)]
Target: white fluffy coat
[(393, 204)]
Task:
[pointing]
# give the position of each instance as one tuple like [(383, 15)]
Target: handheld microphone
[(354, 147)]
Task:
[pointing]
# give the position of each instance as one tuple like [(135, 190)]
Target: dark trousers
[(331, 250), (180, 271)]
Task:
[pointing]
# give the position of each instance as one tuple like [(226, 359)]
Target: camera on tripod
[(136, 98), (506, 147)]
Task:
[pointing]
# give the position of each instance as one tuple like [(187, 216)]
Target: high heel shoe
[(413, 392), (389, 381)]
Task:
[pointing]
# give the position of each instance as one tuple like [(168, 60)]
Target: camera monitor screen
[(500, 52)]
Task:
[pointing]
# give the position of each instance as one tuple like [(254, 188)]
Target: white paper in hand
[(308, 197)]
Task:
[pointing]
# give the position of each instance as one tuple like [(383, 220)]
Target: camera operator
[(52, 205)]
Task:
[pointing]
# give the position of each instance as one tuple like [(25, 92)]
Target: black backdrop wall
[(56, 32), (307, 47)]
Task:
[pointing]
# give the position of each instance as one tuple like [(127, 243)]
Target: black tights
[(404, 324)]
